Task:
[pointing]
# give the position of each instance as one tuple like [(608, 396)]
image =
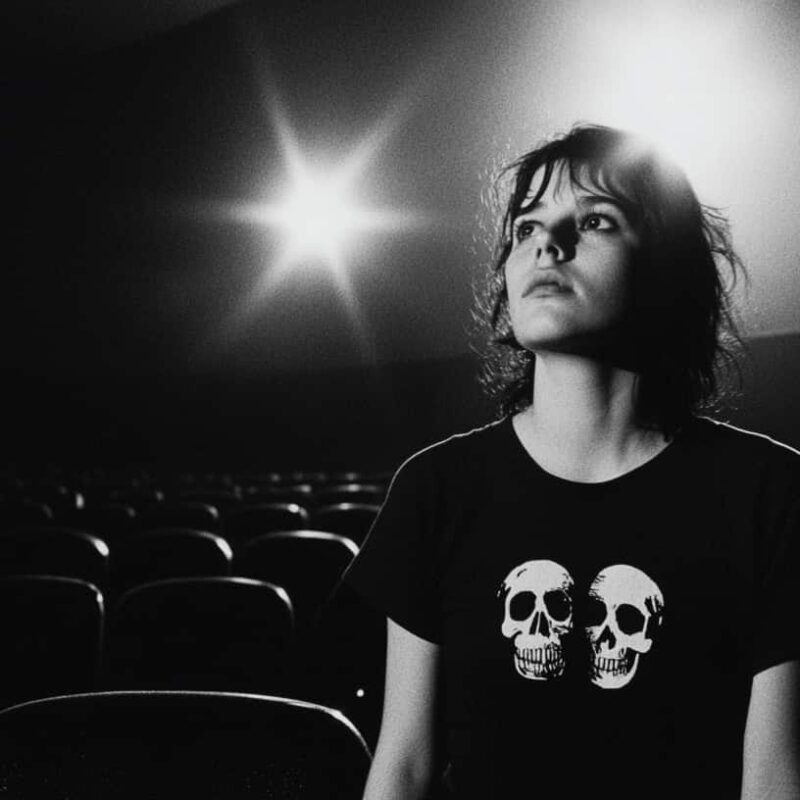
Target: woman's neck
[(582, 424)]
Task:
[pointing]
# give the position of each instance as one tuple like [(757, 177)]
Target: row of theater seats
[(166, 745), (306, 562), (69, 491), (133, 603), (239, 523), (209, 633)]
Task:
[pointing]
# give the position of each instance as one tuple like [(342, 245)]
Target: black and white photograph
[(401, 401)]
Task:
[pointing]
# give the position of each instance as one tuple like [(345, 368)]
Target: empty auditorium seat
[(370, 493), (167, 745), (140, 498), (308, 564), (302, 495), (106, 520), (168, 553), (348, 519), (61, 499), (54, 551), (180, 514), (51, 633), (221, 499), (352, 634), (17, 513), (242, 524), (200, 633)]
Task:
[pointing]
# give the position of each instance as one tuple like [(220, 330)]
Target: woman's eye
[(598, 222), (524, 230)]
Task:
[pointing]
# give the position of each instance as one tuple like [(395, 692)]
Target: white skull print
[(538, 612), (625, 609)]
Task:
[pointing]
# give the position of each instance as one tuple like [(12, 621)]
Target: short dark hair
[(682, 313)]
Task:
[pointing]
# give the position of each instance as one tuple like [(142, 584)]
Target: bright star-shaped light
[(316, 217), (312, 219), (313, 214)]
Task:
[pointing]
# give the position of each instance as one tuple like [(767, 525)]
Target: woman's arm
[(771, 738), (402, 767)]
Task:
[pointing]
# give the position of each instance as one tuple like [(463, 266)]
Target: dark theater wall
[(372, 418)]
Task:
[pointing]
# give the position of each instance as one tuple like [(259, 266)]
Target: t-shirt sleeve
[(396, 570), (777, 606)]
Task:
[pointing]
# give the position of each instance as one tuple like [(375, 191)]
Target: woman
[(593, 596)]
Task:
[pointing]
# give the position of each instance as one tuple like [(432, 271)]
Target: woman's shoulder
[(743, 449), (457, 451)]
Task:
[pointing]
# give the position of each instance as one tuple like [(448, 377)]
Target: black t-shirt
[(598, 640)]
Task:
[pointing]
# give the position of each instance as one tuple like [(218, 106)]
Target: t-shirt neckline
[(650, 466)]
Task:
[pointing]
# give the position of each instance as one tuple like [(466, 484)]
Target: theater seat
[(51, 630), (348, 519), (221, 499), (55, 551), (180, 514), (107, 520), (226, 634), (20, 513), (352, 634), (301, 494), (167, 745), (243, 524), (370, 493), (308, 564), (168, 553)]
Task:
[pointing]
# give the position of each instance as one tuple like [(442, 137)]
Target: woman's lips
[(546, 290)]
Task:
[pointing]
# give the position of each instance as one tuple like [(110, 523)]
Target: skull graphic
[(537, 615), (624, 611)]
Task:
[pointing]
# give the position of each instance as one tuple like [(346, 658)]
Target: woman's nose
[(548, 248), (554, 245)]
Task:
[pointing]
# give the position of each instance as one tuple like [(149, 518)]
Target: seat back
[(243, 524), (348, 519), (168, 553), (18, 513), (230, 634), (369, 493), (51, 628), (352, 634), (165, 745), (308, 564), (180, 514), (55, 551), (301, 494), (109, 521)]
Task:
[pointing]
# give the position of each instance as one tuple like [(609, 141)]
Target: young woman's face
[(568, 273)]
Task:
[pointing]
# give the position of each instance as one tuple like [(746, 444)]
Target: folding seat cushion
[(348, 519), (200, 633), (168, 553), (167, 745), (243, 524), (51, 631), (55, 551), (308, 564)]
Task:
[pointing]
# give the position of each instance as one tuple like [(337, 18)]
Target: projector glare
[(317, 218)]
